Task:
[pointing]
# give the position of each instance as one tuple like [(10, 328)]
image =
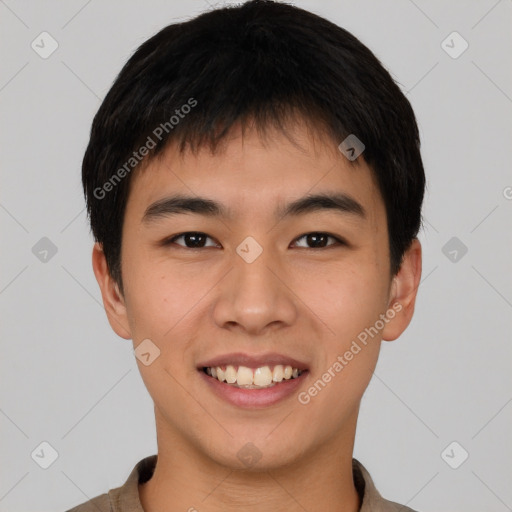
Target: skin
[(295, 299)]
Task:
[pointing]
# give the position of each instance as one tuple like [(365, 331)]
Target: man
[(254, 185)]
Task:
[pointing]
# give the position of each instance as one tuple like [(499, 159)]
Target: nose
[(256, 297)]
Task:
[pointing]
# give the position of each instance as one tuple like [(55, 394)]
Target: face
[(254, 283)]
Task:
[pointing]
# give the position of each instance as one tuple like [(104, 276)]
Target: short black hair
[(262, 62)]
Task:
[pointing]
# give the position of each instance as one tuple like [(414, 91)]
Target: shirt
[(126, 497)]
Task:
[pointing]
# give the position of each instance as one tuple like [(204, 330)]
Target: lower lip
[(254, 398)]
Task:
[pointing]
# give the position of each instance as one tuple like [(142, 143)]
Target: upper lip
[(253, 361)]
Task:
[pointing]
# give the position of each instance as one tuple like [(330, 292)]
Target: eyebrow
[(182, 204)]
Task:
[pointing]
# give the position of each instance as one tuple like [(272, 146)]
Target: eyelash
[(172, 240)]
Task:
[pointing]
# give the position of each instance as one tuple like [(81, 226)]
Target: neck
[(187, 480)]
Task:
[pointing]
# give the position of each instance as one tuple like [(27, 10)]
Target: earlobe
[(113, 301), (404, 289)]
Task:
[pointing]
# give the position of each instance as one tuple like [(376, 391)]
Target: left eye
[(319, 239), (196, 240)]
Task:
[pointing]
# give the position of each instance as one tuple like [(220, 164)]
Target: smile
[(253, 381), (249, 378)]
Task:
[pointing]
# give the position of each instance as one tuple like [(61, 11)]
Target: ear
[(113, 301), (403, 292)]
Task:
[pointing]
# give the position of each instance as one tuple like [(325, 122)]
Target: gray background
[(67, 379)]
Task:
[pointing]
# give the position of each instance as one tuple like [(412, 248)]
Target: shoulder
[(100, 503), (124, 498), (372, 501), (391, 506)]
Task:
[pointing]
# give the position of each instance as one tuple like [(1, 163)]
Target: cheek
[(351, 306), (161, 309), (160, 296), (348, 299)]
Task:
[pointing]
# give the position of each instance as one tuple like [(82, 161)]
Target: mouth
[(253, 381), (252, 378)]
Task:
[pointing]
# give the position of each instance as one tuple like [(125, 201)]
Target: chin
[(256, 454)]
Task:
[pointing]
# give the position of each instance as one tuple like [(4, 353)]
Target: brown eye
[(198, 240), (192, 239), (318, 240)]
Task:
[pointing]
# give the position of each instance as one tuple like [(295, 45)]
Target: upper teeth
[(259, 377)]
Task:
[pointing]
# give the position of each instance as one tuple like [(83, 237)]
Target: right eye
[(193, 240)]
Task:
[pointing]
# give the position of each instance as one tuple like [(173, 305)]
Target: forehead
[(252, 175)]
